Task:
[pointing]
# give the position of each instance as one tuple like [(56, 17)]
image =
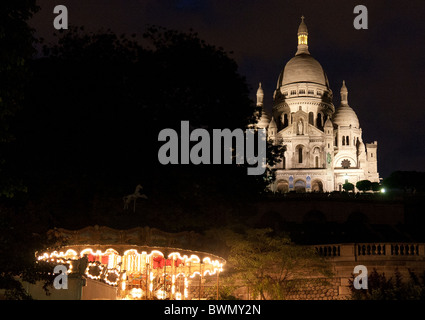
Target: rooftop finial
[(260, 95), (344, 93), (302, 38)]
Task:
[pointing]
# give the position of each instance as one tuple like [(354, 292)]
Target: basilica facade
[(323, 145)]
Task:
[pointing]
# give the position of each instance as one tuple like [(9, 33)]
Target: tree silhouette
[(348, 186), (18, 227), (380, 287), (364, 185)]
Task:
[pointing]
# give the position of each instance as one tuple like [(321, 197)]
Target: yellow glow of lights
[(136, 293), (186, 285), (302, 39), (112, 283), (136, 264), (69, 254), (161, 294), (150, 280), (92, 264), (132, 259)]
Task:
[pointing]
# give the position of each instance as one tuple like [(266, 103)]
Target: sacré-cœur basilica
[(323, 145)]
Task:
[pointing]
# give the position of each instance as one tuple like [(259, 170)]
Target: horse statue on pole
[(133, 197)]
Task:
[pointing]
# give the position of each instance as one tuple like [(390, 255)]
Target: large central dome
[(303, 68)]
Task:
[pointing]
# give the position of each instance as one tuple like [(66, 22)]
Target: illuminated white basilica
[(323, 144)]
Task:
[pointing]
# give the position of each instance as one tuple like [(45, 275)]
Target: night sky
[(383, 66)]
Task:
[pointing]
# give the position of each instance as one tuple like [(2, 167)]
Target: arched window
[(336, 140), (319, 122), (343, 140), (316, 160), (300, 155), (311, 118), (285, 120), (347, 140), (284, 158), (282, 186)]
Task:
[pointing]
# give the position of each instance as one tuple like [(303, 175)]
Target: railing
[(372, 250), (394, 249), (405, 249), (329, 251)]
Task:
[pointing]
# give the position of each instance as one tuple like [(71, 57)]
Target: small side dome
[(345, 115), (264, 121), (328, 123), (272, 124)]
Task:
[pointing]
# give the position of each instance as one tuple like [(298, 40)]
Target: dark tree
[(376, 186), (348, 186), (380, 287), (89, 132), (16, 42), (364, 185), (18, 227), (408, 181)]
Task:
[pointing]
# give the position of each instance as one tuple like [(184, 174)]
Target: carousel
[(141, 272)]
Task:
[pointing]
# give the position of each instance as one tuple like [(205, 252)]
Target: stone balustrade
[(384, 257), (373, 251)]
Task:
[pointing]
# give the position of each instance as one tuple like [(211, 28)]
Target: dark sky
[(383, 66)]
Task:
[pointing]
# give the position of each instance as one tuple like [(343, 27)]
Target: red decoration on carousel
[(159, 262)]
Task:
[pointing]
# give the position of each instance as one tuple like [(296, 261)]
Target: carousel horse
[(133, 197)]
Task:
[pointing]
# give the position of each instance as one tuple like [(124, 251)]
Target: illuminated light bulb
[(136, 293), (161, 294), (186, 285)]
